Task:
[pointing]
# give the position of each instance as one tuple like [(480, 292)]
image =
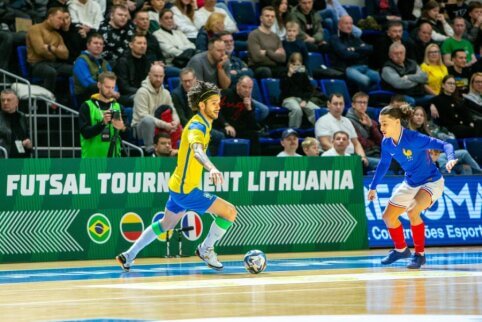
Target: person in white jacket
[(148, 98), (185, 14), (86, 14), (172, 41)]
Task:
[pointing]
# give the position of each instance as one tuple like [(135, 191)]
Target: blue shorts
[(196, 200)]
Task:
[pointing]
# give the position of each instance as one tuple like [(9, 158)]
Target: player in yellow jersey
[(184, 194)]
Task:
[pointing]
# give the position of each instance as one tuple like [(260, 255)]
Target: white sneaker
[(124, 263), (209, 257)]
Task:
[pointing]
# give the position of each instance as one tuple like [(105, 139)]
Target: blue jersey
[(412, 154)]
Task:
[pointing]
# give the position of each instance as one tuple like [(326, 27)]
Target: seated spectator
[(339, 11), (441, 29), (310, 22), (86, 15), (404, 76), (213, 65), (394, 34), (237, 67), (88, 66), (281, 15), (292, 44), (154, 110), (458, 42), (45, 47), (132, 69), (141, 23), (266, 55), (448, 111), (296, 92), (457, 9), (383, 11), (367, 129), (210, 7), (117, 33), (434, 68), (184, 17), (14, 132), (473, 100), (289, 142), (155, 9), (163, 146), (311, 147), (350, 54), (237, 115), (465, 165), (101, 120), (341, 140), (58, 4), (460, 71), (74, 38), (175, 46), (214, 25), (422, 37), (332, 122), (474, 20)]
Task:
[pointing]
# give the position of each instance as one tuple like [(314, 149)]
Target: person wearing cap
[(289, 142)]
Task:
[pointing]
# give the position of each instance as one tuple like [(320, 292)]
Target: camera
[(301, 69), (115, 114)]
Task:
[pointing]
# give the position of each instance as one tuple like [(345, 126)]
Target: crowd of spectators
[(121, 53)]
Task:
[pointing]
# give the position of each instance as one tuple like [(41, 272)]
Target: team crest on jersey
[(208, 196), (408, 154)]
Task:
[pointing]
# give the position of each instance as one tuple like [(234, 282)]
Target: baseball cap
[(289, 132)]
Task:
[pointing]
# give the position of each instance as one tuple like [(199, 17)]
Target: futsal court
[(328, 286)]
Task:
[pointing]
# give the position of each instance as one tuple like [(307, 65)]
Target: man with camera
[(101, 121)]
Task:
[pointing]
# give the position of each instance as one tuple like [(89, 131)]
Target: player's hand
[(107, 117), (216, 176), (450, 164), (372, 195)]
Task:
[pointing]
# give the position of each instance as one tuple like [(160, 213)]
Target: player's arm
[(214, 174), (380, 172)]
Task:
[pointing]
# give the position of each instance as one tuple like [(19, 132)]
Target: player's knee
[(231, 213), (413, 212)]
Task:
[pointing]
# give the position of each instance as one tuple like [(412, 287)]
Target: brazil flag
[(99, 228)]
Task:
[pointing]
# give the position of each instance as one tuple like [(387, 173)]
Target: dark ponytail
[(403, 113)]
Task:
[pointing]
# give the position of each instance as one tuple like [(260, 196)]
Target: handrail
[(5, 153)]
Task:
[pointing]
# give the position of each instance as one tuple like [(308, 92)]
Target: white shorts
[(404, 195)]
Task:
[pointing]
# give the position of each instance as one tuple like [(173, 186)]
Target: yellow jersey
[(188, 172)]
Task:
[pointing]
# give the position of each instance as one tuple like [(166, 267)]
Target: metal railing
[(3, 152)]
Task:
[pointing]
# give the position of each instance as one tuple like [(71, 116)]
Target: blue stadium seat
[(173, 82), (454, 142), (330, 86), (22, 61), (73, 98), (256, 94), (355, 12), (474, 146), (320, 112), (315, 60), (244, 14), (373, 112), (234, 147), (270, 88)]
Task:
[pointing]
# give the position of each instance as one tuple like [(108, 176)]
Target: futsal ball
[(255, 261)]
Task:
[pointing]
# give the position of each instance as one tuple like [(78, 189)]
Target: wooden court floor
[(328, 286)]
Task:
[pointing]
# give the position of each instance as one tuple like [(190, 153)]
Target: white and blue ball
[(255, 261)]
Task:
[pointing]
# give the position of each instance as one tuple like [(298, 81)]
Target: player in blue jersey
[(422, 186), (184, 192)]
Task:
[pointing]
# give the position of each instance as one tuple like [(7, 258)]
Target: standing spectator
[(101, 119), (441, 29), (117, 33), (422, 38), (449, 111), (341, 140), (266, 55), (460, 71), (311, 147), (45, 47), (88, 66), (152, 97), (175, 46), (367, 129), (132, 69), (310, 24), (434, 68), (210, 7), (281, 15), (212, 66), (184, 16), (86, 15), (296, 92), (289, 142), (350, 54), (14, 135), (458, 42), (237, 116)]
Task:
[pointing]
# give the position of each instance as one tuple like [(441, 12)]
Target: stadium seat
[(315, 60), (244, 14), (474, 146), (256, 94), (73, 98), (330, 86), (22, 61), (454, 142), (234, 147), (320, 112), (373, 112), (270, 88), (355, 12), (173, 82)]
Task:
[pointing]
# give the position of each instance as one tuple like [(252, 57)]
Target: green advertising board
[(69, 209)]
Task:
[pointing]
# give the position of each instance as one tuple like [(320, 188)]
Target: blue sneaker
[(394, 256), (417, 261)]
